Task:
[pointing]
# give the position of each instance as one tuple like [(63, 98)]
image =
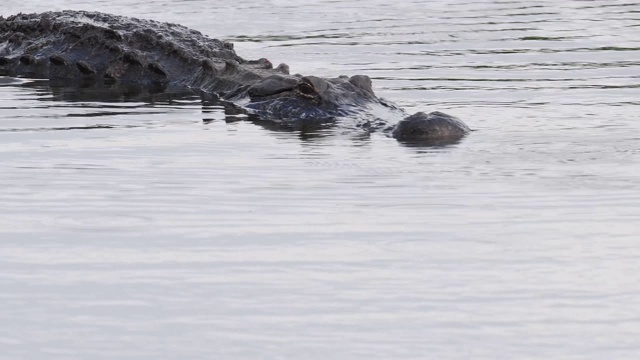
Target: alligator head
[(300, 98)]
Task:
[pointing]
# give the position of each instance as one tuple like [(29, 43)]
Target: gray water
[(161, 230)]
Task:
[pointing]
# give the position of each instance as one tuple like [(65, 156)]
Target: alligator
[(98, 49)]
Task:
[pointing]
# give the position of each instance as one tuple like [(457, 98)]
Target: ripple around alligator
[(169, 228)]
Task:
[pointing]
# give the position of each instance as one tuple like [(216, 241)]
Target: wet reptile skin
[(97, 49)]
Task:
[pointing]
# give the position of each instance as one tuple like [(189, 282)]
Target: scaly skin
[(89, 48)]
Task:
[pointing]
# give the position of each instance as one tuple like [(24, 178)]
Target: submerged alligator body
[(92, 48)]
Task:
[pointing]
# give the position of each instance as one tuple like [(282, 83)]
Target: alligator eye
[(306, 89)]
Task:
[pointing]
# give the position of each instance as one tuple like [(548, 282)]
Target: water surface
[(163, 227)]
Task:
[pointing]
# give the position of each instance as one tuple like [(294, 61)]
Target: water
[(166, 229)]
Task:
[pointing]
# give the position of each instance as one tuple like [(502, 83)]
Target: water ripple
[(129, 219)]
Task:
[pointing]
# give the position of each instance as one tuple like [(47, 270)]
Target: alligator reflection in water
[(210, 105), (97, 50)]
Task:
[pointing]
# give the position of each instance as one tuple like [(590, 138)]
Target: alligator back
[(97, 47)]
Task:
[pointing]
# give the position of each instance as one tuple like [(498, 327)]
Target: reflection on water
[(108, 101), (168, 226)]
